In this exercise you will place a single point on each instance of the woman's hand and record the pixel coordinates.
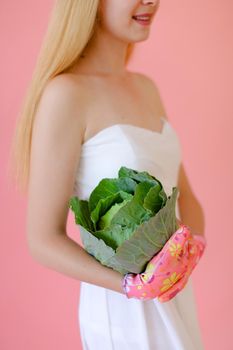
(164, 270)
(197, 246)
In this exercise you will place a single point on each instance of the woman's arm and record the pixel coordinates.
(56, 145)
(59, 252)
(191, 212)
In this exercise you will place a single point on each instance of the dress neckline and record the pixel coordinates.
(133, 127)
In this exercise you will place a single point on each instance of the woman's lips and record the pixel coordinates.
(143, 19)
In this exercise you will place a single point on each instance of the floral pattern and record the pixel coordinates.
(168, 271)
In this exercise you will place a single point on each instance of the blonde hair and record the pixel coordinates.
(72, 24)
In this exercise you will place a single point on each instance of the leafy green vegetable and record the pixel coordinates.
(126, 220)
(105, 220)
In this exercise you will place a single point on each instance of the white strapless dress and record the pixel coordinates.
(108, 320)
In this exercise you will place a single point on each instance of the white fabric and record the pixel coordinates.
(108, 320)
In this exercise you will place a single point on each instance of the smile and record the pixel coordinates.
(142, 20)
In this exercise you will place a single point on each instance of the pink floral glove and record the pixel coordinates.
(164, 270)
(197, 246)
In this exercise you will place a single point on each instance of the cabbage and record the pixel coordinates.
(127, 220)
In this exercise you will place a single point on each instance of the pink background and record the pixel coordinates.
(189, 54)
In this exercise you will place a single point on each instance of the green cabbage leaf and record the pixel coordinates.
(127, 220)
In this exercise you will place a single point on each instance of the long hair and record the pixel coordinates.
(71, 26)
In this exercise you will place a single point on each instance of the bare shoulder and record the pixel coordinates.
(64, 95)
(145, 79)
(55, 153)
(63, 102)
(151, 87)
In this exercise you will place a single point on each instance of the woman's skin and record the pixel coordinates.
(103, 72)
(105, 54)
(73, 108)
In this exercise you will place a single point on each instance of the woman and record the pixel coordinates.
(85, 115)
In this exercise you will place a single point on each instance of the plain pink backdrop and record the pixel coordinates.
(189, 54)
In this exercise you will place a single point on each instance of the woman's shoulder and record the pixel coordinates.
(144, 79)
(150, 87)
(66, 90)
(67, 84)
(62, 105)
